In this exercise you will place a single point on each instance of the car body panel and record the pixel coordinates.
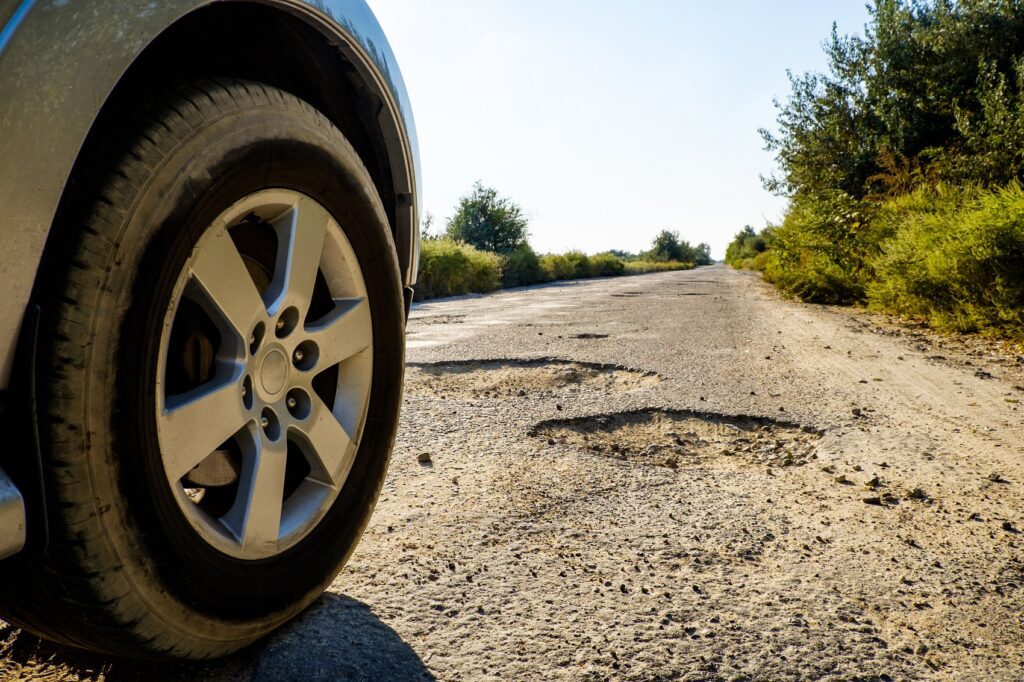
(59, 62)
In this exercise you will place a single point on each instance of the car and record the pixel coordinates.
(210, 243)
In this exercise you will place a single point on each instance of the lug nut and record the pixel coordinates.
(299, 355)
(280, 324)
(264, 422)
(292, 402)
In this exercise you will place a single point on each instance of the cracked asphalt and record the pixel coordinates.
(670, 476)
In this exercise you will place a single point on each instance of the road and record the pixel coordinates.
(671, 476)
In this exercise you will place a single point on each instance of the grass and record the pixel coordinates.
(451, 268)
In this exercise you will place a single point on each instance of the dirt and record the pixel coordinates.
(774, 491)
(521, 378)
(679, 439)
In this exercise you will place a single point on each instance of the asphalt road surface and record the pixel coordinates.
(671, 476)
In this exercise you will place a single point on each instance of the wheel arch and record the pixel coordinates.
(300, 49)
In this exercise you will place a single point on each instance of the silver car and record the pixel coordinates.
(209, 243)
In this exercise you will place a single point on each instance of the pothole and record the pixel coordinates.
(589, 336)
(440, 319)
(679, 438)
(522, 378)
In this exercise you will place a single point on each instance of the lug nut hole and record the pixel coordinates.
(247, 396)
(256, 338)
(287, 322)
(299, 404)
(305, 356)
(270, 424)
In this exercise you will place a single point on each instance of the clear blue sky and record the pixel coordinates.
(607, 121)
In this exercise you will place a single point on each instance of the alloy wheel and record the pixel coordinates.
(264, 374)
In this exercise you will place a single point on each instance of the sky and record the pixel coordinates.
(606, 121)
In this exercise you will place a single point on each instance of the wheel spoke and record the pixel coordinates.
(301, 234)
(329, 445)
(221, 274)
(197, 424)
(255, 518)
(347, 330)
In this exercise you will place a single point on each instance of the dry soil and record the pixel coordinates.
(672, 476)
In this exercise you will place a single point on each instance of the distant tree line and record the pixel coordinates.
(485, 246)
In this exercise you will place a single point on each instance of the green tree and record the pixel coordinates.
(702, 254)
(427, 226)
(488, 221)
(746, 244)
(930, 91)
(668, 247)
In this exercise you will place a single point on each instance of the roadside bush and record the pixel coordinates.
(522, 267)
(955, 258)
(450, 268)
(746, 245)
(580, 263)
(760, 262)
(640, 267)
(557, 266)
(606, 265)
(821, 250)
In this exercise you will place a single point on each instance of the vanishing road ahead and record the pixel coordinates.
(673, 476)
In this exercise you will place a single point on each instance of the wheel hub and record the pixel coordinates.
(274, 372)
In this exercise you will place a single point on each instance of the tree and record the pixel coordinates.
(932, 90)
(746, 244)
(665, 247)
(488, 221)
(702, 254)
(425, 229)
(668, 246)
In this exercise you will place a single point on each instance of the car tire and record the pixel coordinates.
(130, 568)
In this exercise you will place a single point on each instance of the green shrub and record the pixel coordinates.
(746, 245)
(556, 267)
(580, 264)
(760, 262)
(821, 250)
(522, 267)
(639, 267)
(956, 259)
(450, 268)
(606, 265)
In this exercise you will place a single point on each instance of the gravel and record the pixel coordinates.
(612, 491)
